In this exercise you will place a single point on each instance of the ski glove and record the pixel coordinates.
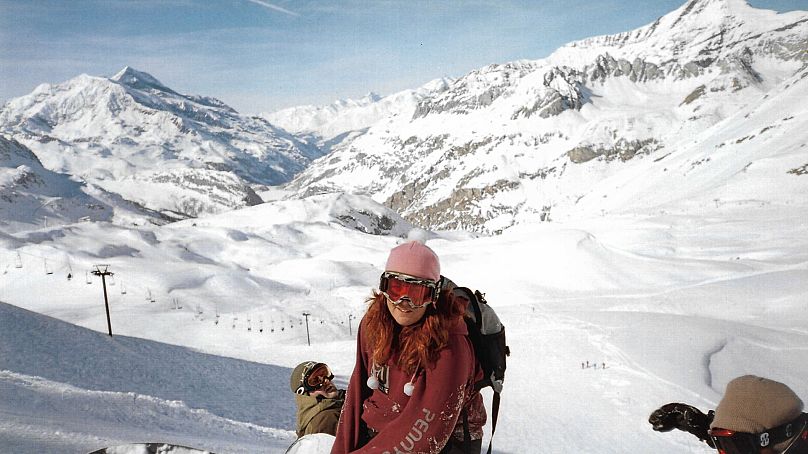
(683, 417)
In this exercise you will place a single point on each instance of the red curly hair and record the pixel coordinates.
(419, 343)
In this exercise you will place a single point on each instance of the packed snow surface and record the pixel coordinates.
(607, 318)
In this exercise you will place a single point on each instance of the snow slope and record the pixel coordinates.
(69, 389)
(674, 305)
(32, 195)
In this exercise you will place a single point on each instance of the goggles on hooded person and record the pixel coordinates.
(731, 442)
(401, 288)
(314, 378)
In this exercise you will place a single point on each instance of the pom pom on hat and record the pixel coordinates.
(419, 235)
(415, 259)
(753, 404)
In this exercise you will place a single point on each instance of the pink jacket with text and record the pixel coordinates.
(421, 423)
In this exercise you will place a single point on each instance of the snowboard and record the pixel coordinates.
(150, 448)
(312, 444)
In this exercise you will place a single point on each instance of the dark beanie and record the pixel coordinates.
(753, 404)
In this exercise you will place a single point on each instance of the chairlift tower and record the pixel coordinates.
(102, 270)
(308, 339)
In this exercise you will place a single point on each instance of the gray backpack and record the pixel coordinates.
(487, 335)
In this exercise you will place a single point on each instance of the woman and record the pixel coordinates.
(413, 383)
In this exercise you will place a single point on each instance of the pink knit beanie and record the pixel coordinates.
(414, 258)
(753, 404)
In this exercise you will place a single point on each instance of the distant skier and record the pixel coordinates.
(755, 416)
(415, 366)
(319, 402)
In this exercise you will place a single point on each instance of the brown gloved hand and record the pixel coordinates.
(683, 417)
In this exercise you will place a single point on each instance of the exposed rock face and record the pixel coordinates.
(638, 70)
(622, 150)
(801, 170)
(461, 210)
(477, 90)
(562, 90)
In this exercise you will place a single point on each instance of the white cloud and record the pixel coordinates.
(273, 7)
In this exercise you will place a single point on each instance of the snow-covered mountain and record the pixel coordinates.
(345, 120)
(32, 195)
(707, 99)
(183, 155)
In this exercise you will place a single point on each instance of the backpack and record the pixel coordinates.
(487, 336)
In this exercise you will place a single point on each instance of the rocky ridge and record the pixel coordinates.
(535, 140)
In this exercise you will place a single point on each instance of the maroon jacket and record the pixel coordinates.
(423, 422)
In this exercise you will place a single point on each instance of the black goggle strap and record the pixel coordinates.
(788, 430)
(781, 433)
(776, 435)
(800, 443)
(435, 286)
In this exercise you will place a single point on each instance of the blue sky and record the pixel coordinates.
(263, 55)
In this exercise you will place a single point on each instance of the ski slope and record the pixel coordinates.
(674, 306)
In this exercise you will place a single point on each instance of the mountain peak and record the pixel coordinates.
(138, 79)
(371, 97)
(696, 29)
(711, 10)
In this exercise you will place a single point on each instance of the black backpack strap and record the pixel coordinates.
(475, 305)
(495, 413)
(494, 417)
(466, 433)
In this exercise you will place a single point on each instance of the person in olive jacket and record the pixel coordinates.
(319, 402)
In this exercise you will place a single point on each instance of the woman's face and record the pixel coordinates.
(403, 314)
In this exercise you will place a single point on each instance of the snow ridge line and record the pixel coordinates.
(708, 360)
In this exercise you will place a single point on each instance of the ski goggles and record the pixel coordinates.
(401, 288)
(315, 378)
(731, 442)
